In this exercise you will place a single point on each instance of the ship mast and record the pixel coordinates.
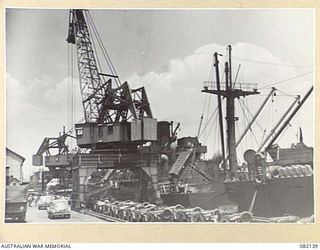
(230, 91)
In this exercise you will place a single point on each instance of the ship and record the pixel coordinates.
(282, 185)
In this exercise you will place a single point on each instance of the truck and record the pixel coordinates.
(16, 203)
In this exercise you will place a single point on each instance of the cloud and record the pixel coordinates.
(36, 108)
(176, 94)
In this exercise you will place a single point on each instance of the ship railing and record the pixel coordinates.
(165, 188)
(238, 86)
(111, 160)
(187, 188)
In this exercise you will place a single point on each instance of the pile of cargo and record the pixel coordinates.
(146, 212)
(131, 211)
(295, 171)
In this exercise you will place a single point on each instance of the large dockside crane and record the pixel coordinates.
(118, 120)
(119, 131)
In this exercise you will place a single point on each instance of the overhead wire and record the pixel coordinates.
(246, 117)
(207, 123)
(209, 131)
(104, 51)
(259, 125)
(207, 99)
(272, 63)
(286, 80)
(94, 45)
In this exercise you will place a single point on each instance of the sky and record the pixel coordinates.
(170, 52)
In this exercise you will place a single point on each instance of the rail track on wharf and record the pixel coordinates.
(103, 216)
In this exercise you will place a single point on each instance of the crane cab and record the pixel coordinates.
(139, 130)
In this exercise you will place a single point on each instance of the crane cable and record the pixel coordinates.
(95, 49)
(104, 51)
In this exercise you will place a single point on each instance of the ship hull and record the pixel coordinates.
(277, 197)
(206, 200)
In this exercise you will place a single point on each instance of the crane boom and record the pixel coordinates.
(90, 81)
(101, 102)
(286, 123)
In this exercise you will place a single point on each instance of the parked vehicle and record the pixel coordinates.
(59, 208)
(44, 201)
(16, 203)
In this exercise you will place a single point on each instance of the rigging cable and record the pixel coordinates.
(216, 138)
(104, 51)
(272, 63)
(247, 119)
(235, 80)
(94, 48)
(251, 115)
(209, 131)
(286, 80)
(205, 126)
(286, 94)
(72, 90)
(208, 98)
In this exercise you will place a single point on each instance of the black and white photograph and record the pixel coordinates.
(163, 116)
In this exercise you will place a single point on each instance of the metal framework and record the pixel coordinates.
(141, 102)
(58, 143)
(101, 102)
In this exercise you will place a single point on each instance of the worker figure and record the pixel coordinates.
(83, 207)
(181, 186)
(260, 168)
(36, 200)
(30, 199)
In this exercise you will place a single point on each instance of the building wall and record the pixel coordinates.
(14, 182)
(13, 166)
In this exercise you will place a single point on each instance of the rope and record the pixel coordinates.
(104, 51)
(208, 121)
(242, 105)
(286, 80)
(252, 115)
(211, 198)
(94, 47)
(72, 90)
(68, 87)
(272, 63)
(285, 94)
(207, 137)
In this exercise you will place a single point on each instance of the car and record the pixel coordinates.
(44, 201)
(59, 208)
(16, 203)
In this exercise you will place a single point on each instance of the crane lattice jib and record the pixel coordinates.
(101, 102)
(90, 81)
